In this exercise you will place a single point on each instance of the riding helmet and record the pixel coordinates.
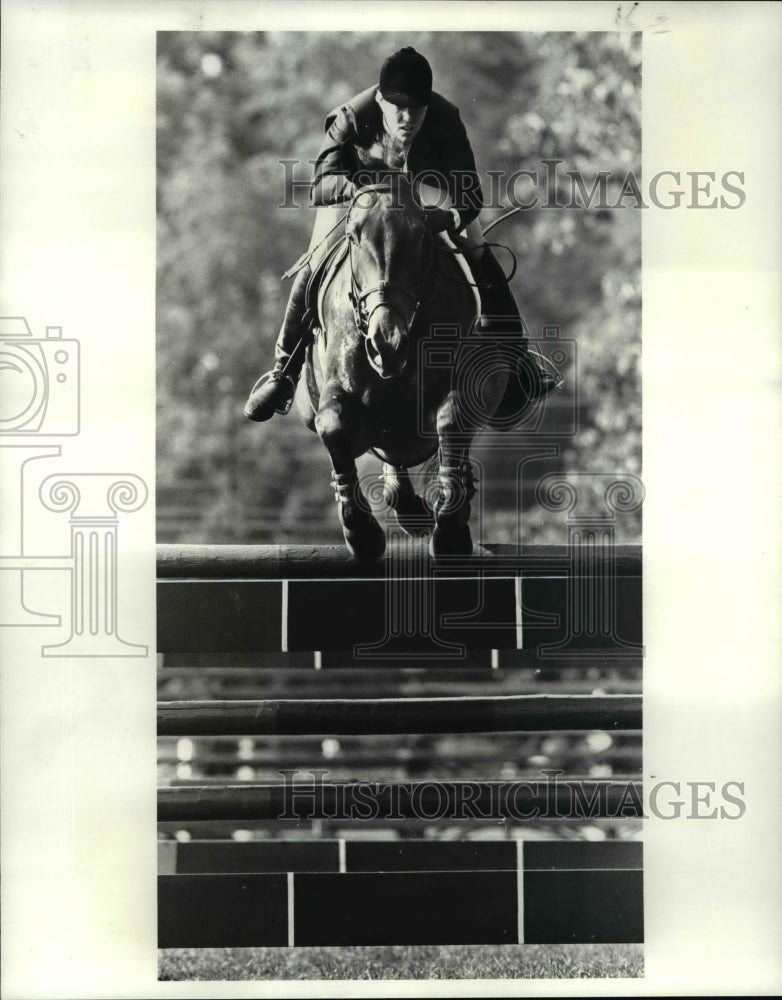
(406, 79)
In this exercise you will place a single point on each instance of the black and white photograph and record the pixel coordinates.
(402, 731)
(389, 473)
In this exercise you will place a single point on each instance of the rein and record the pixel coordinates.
(358, 298)
(307, 257)
(453, 252)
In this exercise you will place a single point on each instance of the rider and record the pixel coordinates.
(409, 127)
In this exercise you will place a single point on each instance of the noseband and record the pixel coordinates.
(358, 298)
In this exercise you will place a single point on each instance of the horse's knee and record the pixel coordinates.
(396, 487)
(330, 423)
(446, 420)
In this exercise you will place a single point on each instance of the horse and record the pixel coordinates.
(398, 367)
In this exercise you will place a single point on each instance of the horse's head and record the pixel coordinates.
(390, 251)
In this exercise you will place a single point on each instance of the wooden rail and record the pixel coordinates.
(293, 562)
(583, 798)
(365, 716)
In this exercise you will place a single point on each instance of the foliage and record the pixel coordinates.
(231, 106)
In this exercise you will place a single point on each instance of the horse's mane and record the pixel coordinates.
(376, 172)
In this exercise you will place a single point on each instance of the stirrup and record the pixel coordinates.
(277, 376)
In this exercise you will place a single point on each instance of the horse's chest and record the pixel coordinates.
(390, 403)
(402, 415)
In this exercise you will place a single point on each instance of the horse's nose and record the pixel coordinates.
(387, 349)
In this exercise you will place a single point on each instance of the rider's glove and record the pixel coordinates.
(440, 219)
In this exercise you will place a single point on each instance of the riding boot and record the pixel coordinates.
(274, 391)
(500, 316)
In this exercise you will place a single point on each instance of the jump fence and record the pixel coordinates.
(304, 601)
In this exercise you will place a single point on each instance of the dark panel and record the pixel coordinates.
(430, 855)
(627, 665)
(225, 615)
(557, 615)
(385, 618)
(390, 616)
(238, 663)
(561, 854)
(582, 907)
(222, 911)
(258, 856)
(409, 908)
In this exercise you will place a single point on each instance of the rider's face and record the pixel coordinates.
(403, 123)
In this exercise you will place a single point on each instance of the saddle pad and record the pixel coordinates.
(324, 275)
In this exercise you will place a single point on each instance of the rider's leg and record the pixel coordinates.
(500, 315)
(274, 391)
(499, 312)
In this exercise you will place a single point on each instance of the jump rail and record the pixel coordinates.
(363, 717)
(584, 798)
(333, 562)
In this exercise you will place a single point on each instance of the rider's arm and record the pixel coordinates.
(463, 180)
(331, 183)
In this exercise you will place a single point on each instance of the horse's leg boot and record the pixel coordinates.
(274, 391)
(500, 316)
(413, 513)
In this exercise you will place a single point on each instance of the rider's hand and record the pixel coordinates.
(440, 219)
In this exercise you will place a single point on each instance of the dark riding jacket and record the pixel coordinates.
(440, 150)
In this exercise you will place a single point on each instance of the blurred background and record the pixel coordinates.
(231, 107)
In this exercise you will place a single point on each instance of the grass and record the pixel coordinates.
(584, 961)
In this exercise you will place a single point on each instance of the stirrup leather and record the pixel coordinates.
(277, 376)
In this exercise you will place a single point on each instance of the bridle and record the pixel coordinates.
(358, 296)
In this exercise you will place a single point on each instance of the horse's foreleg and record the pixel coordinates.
(340, 429)
(414, 514)
(455, 485)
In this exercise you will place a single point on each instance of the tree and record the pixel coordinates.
(231, 107)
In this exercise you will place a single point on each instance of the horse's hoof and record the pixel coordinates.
(415, 528)
(366, 546)
(453, 541)
(417, 522)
